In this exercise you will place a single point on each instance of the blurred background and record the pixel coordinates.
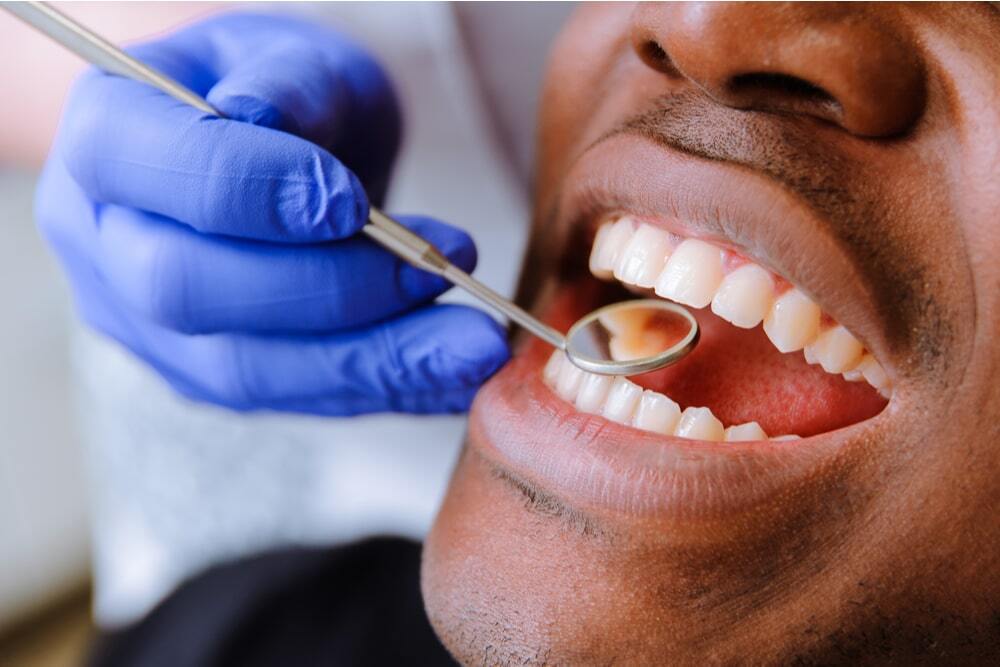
(44, 530)
(112, 489)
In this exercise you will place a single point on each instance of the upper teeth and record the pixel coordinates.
(697, 273)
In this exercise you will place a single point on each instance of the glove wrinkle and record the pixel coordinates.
(392, 373)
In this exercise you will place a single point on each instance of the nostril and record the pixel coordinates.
(654, 52)
(782, 84)
(776, 91)
(656, 57)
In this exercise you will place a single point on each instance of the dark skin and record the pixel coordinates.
(883, 120)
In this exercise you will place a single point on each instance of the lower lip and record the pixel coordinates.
(594, 465)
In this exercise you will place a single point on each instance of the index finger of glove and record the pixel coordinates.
(129, 144)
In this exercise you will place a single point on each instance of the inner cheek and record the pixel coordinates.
(741, 376)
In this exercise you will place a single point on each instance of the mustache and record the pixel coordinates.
(782, 147)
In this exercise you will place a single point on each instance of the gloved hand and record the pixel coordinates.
(224, 252)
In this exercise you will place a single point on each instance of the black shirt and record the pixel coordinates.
(353, 605)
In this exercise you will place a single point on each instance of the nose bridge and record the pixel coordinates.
(849, 64)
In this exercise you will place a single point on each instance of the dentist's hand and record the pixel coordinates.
(225, 253)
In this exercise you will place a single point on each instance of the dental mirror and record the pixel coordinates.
(625, 338)
(632, 337)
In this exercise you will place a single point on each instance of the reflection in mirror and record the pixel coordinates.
(639, 332)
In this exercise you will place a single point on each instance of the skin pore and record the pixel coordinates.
(875, 545)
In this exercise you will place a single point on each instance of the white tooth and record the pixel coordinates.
(836, 350)
(874, 374)
(608, 246)
(656, 413)
(809, 352)
(643, 257)
(699, 424)
(745, 432)
(745, 296)
(569, 381)
(597, 252)
(692, 274)
(793, 321)
(551, 372)
(621, 401)
(593, 391)
(787, 437)
(853, 375)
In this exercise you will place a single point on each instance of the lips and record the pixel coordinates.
(594, 465)
(694, 216)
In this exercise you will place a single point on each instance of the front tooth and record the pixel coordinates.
(551, 372)
(608, 246)
(793, 321)
(692, 274)
(745, 296)
(656, 413)
(784, 438)
(568, 383)
(699, 424)
(593, 391)
(642, 259)
(621, 401)
(745, 432)
(836, 350)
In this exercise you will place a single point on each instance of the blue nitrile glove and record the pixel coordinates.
(224, 252)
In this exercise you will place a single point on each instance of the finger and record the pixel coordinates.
(126, 143)
(280, 72)
(296, 89)
(195, 283)
(429, 361)
(292, 75)
(316, 89)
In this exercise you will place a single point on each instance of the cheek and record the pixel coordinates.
(578, 67)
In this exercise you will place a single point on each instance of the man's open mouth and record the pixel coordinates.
(770, 362)
(789, 371)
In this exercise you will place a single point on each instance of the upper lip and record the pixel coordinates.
(731, 206)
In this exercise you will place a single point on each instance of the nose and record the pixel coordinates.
(839, 62)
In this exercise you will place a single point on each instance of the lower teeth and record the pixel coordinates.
(621, 400)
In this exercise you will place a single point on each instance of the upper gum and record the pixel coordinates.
(732, 259)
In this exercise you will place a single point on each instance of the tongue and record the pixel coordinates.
(741, 377)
